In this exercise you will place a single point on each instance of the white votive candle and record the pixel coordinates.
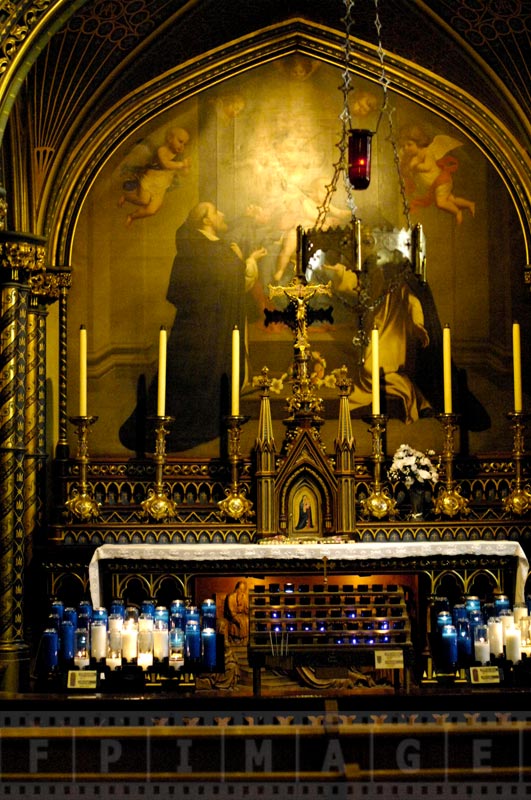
(507, 620)
(116, 623)
(513, 645)
(495, 636)
(130, 642)
(145, 660)
(98, 640)
(161, 643)
(482, 651)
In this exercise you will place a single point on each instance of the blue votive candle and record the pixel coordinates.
(148, 608)
(58, 608)
(192, 614)
(464, 642)
(459, 611)
(208, 646)
(70, 615)
(67, 640)
(117, 607)
(49, 649)
(448, 648)
(192, 640)
(208, 614)
(472, 603)
(162, 614)
(177, 612)
(85, 607)
(443, 618)
(501, 602)
(100, 615)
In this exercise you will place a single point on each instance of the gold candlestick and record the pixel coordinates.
(157, 504)
(379, 503)
(519, 500)
(236, 504)
(449, 501)
(81, 503)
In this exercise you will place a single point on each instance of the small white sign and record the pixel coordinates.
(484, 674)
(389, 659)
(82, 679)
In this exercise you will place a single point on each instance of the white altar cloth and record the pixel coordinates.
(354, 551)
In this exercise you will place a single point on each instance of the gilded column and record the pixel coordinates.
(64, 278)
(265, 454)
(345, 468)
(20, 254)
(34, 423)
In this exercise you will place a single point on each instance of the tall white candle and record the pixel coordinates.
(517, 368)
(82, 371)
(375, 371)
(357, 232)
(447, 369)
(161, 395)
(235, 397)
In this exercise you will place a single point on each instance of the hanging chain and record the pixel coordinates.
(341, 165)
(388, 110)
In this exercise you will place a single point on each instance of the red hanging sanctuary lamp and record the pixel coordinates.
(359, 157)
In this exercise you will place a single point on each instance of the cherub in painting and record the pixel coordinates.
(148, 183)
(428, 167)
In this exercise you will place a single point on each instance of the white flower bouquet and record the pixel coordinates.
(412, 466)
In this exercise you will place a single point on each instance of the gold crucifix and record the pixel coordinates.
(299, 294)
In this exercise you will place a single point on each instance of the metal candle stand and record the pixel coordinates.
(519, 500)
(81, 503)
(157, 504)
(236, 504)
(449, 500)
(379, 503)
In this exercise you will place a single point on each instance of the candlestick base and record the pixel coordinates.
(518, 502)
(379, 504)
(236, 505)
(81, 504)
(451, 502)
(157, 504)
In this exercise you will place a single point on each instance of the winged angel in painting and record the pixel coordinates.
(428, 166)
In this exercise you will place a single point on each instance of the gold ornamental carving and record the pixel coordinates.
(49, 284)
(18, 30)
(17, 255)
